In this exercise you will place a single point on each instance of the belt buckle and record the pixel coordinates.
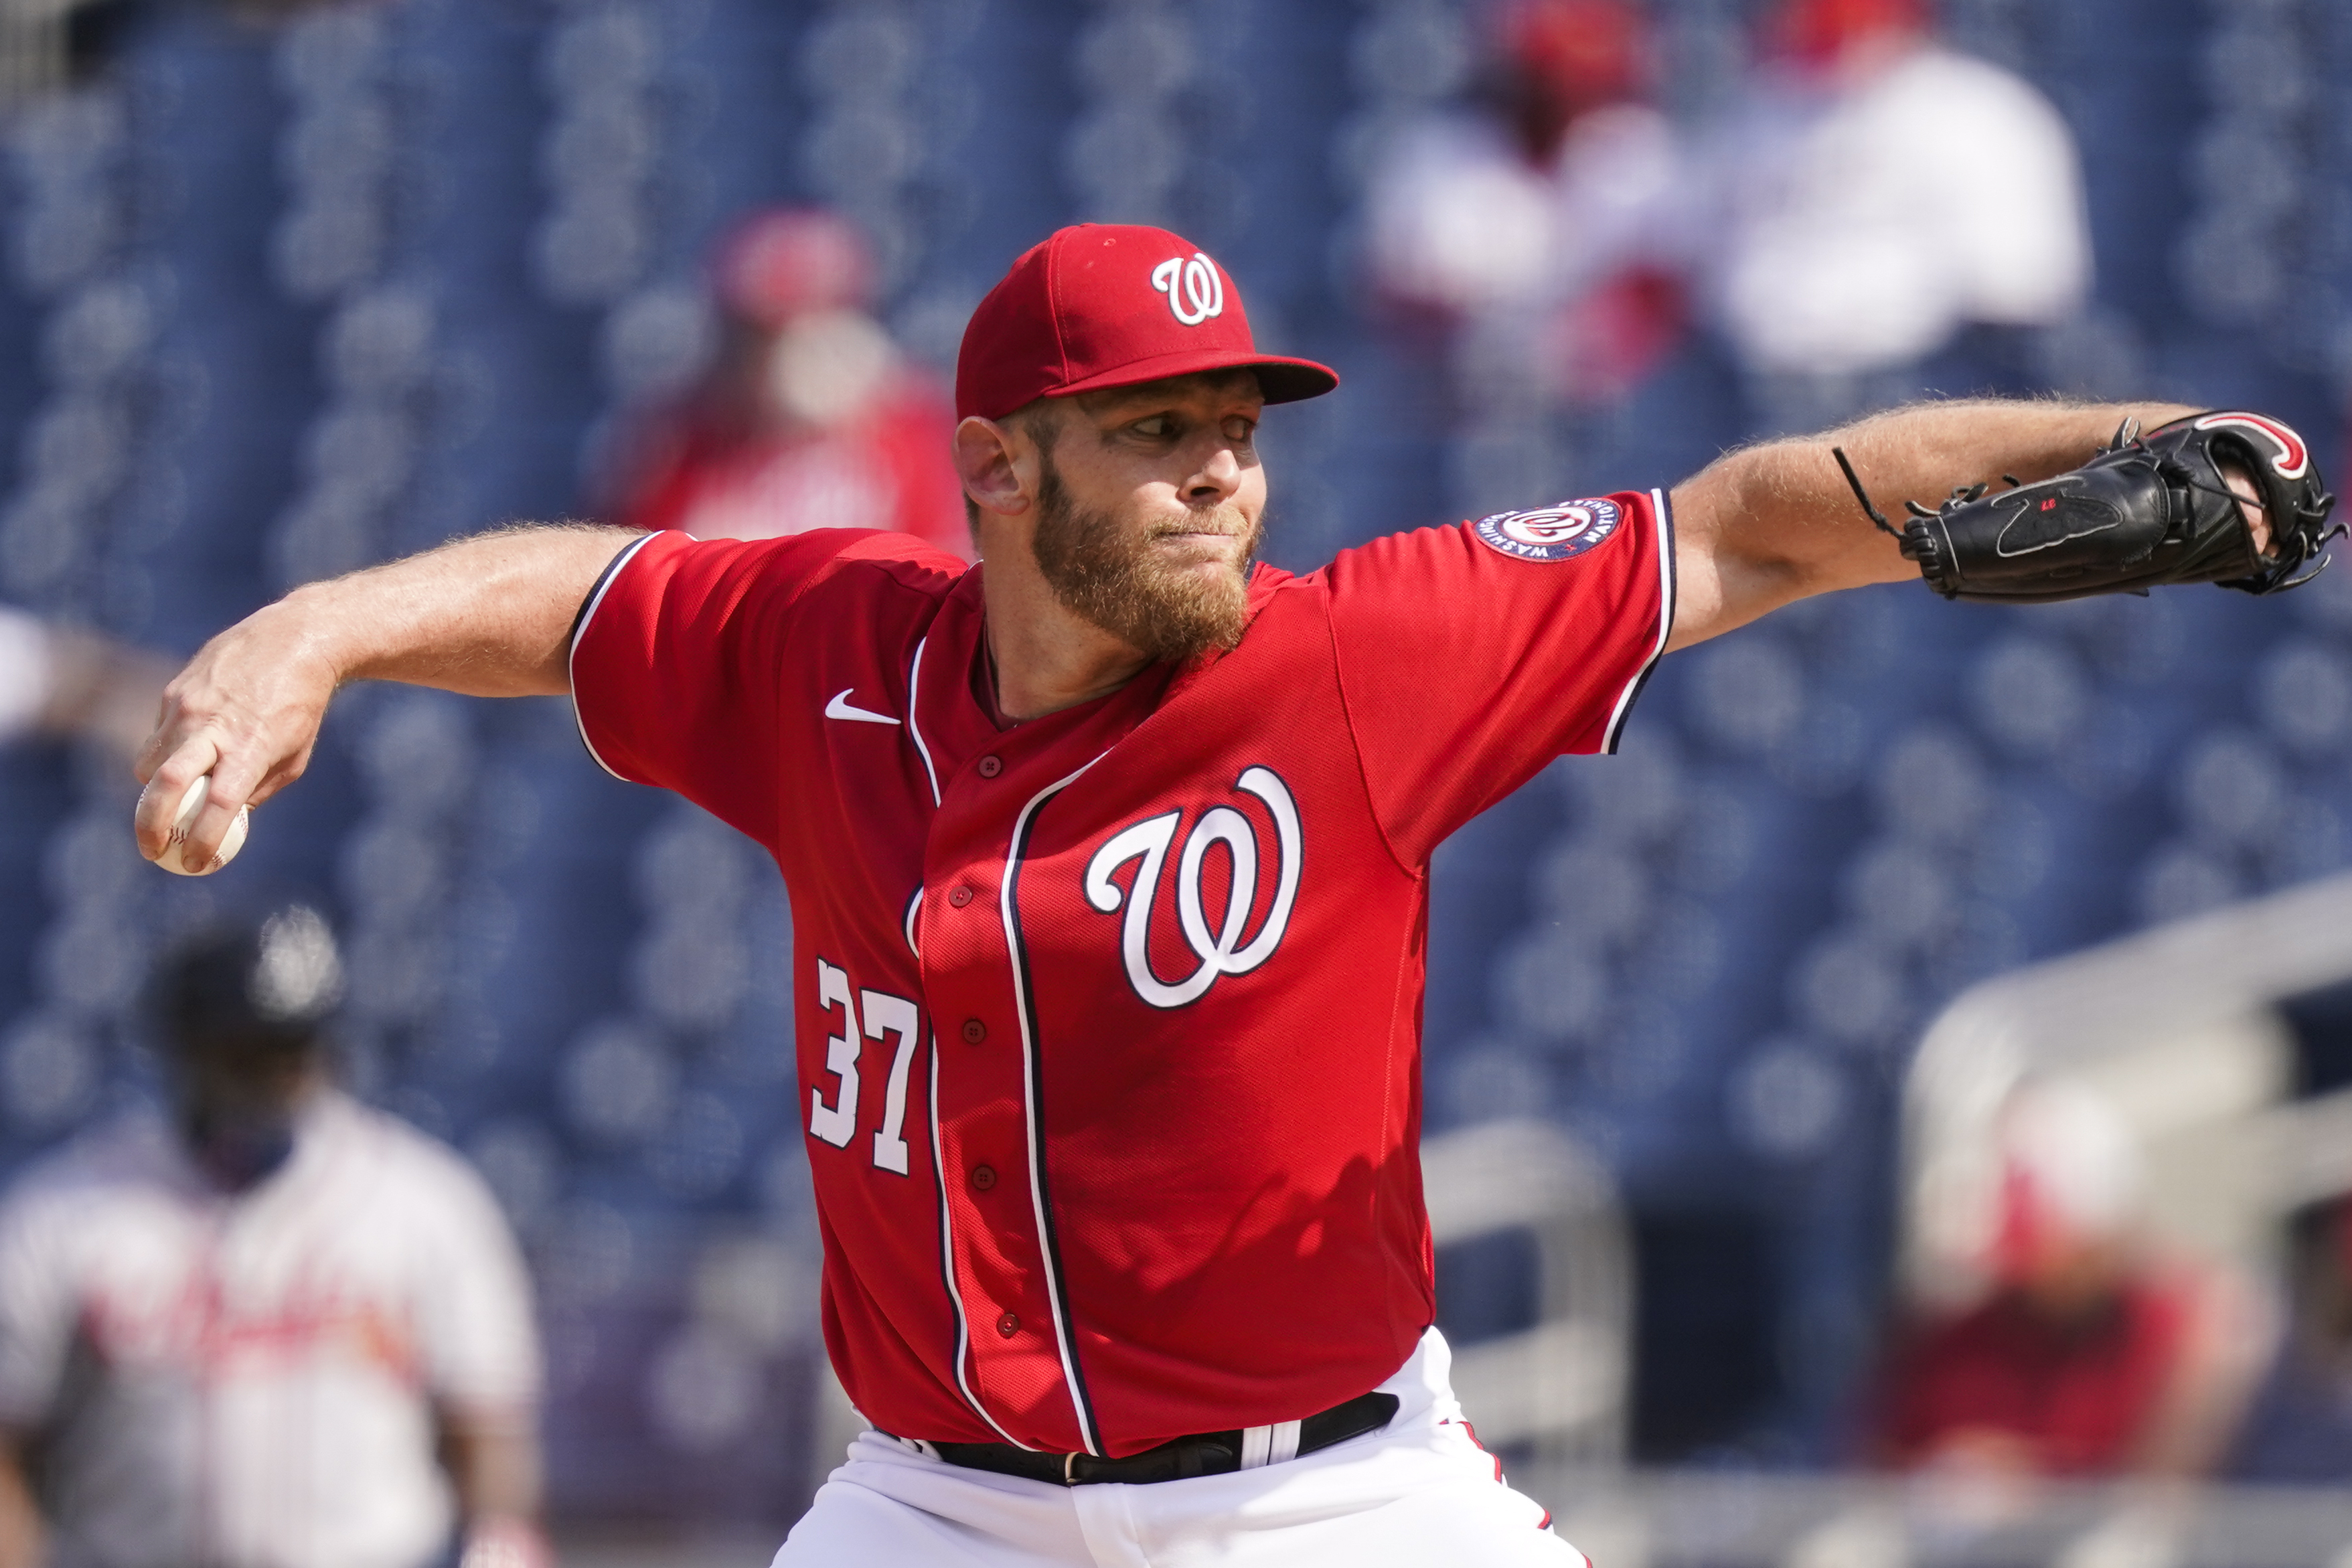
(1069, 1469)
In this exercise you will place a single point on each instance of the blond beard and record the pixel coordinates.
(1116, 582)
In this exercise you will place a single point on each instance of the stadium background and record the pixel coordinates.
(279, 300)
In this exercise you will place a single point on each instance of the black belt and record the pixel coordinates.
(1180, 1458)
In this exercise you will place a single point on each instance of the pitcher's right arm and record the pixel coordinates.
(489, 616)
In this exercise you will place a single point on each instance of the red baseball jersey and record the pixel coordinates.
(2079, 1396)
(1109, 1022)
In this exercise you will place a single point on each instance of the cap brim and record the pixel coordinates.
(1283, 380)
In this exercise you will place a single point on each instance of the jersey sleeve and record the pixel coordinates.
(479, 1341)
(1470, 656)
(681, 652)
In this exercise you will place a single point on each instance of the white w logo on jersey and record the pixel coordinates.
(1224, 950)
(1195, 289)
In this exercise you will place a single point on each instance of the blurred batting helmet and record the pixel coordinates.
(268, 983)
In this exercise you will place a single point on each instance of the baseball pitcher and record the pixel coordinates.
(1109, 863)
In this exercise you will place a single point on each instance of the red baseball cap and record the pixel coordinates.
(1099, 305)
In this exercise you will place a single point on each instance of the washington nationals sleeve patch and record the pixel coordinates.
(1551, 533)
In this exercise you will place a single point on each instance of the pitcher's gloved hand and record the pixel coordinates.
(2147, 510)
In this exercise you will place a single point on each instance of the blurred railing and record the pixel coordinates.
(2177, 1028)
(1560, 1384)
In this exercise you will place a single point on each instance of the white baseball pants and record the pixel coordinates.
(1417, 1493)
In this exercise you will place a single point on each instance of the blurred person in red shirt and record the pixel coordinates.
(1557, 212)
(2089, 1354)
(1877, 192)
(809, 418)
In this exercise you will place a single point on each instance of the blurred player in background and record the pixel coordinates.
(61, 680)
(1557, 215)
(2089, 1355)
(810, 416)
(273, 1328)
(1878, 192)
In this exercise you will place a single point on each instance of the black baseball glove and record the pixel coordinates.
(2146, 510)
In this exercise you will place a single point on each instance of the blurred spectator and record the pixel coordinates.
(1560, 201)
(242, 1334)
(810, 417)
(2089, 1356)
(1878, 192)
(58, 681)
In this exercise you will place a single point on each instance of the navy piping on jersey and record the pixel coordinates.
(579, 624)
(914, 913)
(1666, 621)
(946, 1263)
(1056, 1290)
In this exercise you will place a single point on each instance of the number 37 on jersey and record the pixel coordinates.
(862, 1015)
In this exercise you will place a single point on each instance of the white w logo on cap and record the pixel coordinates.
(1195, 291)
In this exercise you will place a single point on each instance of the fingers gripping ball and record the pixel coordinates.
(191, 804)
(2146, 510)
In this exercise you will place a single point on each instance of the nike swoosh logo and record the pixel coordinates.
(839, 708)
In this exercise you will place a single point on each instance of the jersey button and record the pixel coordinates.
(1009, 1324)
(960, 897)
(983, 1176)
(974, 1031)
(990, 767)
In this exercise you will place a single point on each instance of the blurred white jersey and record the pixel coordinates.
(1861, 228)
(251, 1380)
(1459, 220)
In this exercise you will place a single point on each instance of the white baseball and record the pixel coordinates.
(191, 804)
